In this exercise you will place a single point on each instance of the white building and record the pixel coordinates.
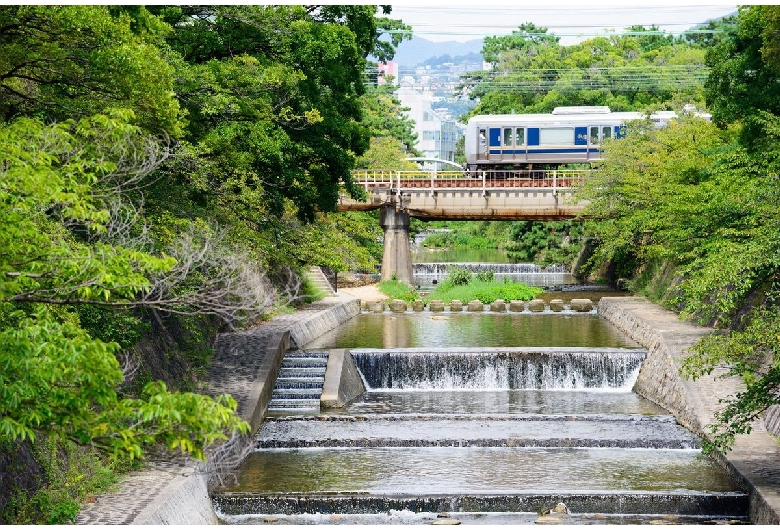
(436, 134)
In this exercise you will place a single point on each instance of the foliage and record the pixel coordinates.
(485, 292)
(533, 73)
(384, 116)
(347, 241)
(74, 61)
(526, 39)
(49, 176)
(112, 324)
(396, 290)
(702, 200)
(745, 69)
(468, 234)
(274, 115)
(751, 354)
(544, 242)
(55, 377)
(69, 475)
(457, 276)
(484, 276)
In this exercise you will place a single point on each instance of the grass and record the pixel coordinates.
(396, 290)
(475, 289)
(484, 291)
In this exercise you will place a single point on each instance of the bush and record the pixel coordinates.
(458, 276)
(485, 276)
(486, 292)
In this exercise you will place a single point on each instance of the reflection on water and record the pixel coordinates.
(496, 402)
(449, 470)
(426, 329)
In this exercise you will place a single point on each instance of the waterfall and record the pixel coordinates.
(440, 269)
(500, 368)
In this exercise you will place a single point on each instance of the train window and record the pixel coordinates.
(606, 132)
(556, 136)
(594, 135)
(520, 137)
(508, 136)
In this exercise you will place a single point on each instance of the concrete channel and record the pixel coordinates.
(246, 364)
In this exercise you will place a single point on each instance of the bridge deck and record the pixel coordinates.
(499, 195)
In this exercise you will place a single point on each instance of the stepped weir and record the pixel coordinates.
(483, 435)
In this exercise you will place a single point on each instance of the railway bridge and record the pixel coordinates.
(496, 195)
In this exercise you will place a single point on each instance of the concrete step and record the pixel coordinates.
(299, 384)
(318, 278)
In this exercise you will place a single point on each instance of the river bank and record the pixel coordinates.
(178, 493)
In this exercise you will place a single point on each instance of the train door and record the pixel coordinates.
(596, 135)
(482, 146)
(521, 151)
(508, 145)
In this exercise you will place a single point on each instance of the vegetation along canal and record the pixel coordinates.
(481, 418)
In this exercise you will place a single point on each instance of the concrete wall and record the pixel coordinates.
(753, 461)
(342, 380)
(307, 329)
(189, 504)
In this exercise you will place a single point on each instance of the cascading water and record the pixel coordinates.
(440, 269)
(499, 368)
(427, 275)
(484, 435)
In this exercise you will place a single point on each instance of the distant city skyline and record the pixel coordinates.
(573, 23)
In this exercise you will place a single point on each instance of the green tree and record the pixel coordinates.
(73, 61)
(54, 377)
(623, 72)
(744, 72)
(279, 115)
(690, 197)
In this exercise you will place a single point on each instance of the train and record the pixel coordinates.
(568, 135)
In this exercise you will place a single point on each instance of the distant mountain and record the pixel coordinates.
(418, 50)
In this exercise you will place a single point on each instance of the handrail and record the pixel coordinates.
(484, 179)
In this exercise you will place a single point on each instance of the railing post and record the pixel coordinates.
(555, 181)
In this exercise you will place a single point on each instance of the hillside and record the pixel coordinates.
(411, 53)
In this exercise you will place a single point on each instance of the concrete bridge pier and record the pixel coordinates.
(397, 256)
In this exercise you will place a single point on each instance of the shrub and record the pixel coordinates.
(458, 276)
(485, 276)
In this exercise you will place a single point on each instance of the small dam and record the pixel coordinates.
(483, 435)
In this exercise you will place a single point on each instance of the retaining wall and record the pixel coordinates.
(753, 461)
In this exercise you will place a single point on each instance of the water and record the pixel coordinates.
(484, 418)
(428, 275)
(448, 329)
(429, 266)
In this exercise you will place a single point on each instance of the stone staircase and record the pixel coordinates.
(318, 278)
(299, 385)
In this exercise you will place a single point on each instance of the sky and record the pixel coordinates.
(450, 21)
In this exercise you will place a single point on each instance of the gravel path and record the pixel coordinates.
(366, 293)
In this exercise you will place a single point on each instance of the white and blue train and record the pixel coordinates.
(545, 141)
